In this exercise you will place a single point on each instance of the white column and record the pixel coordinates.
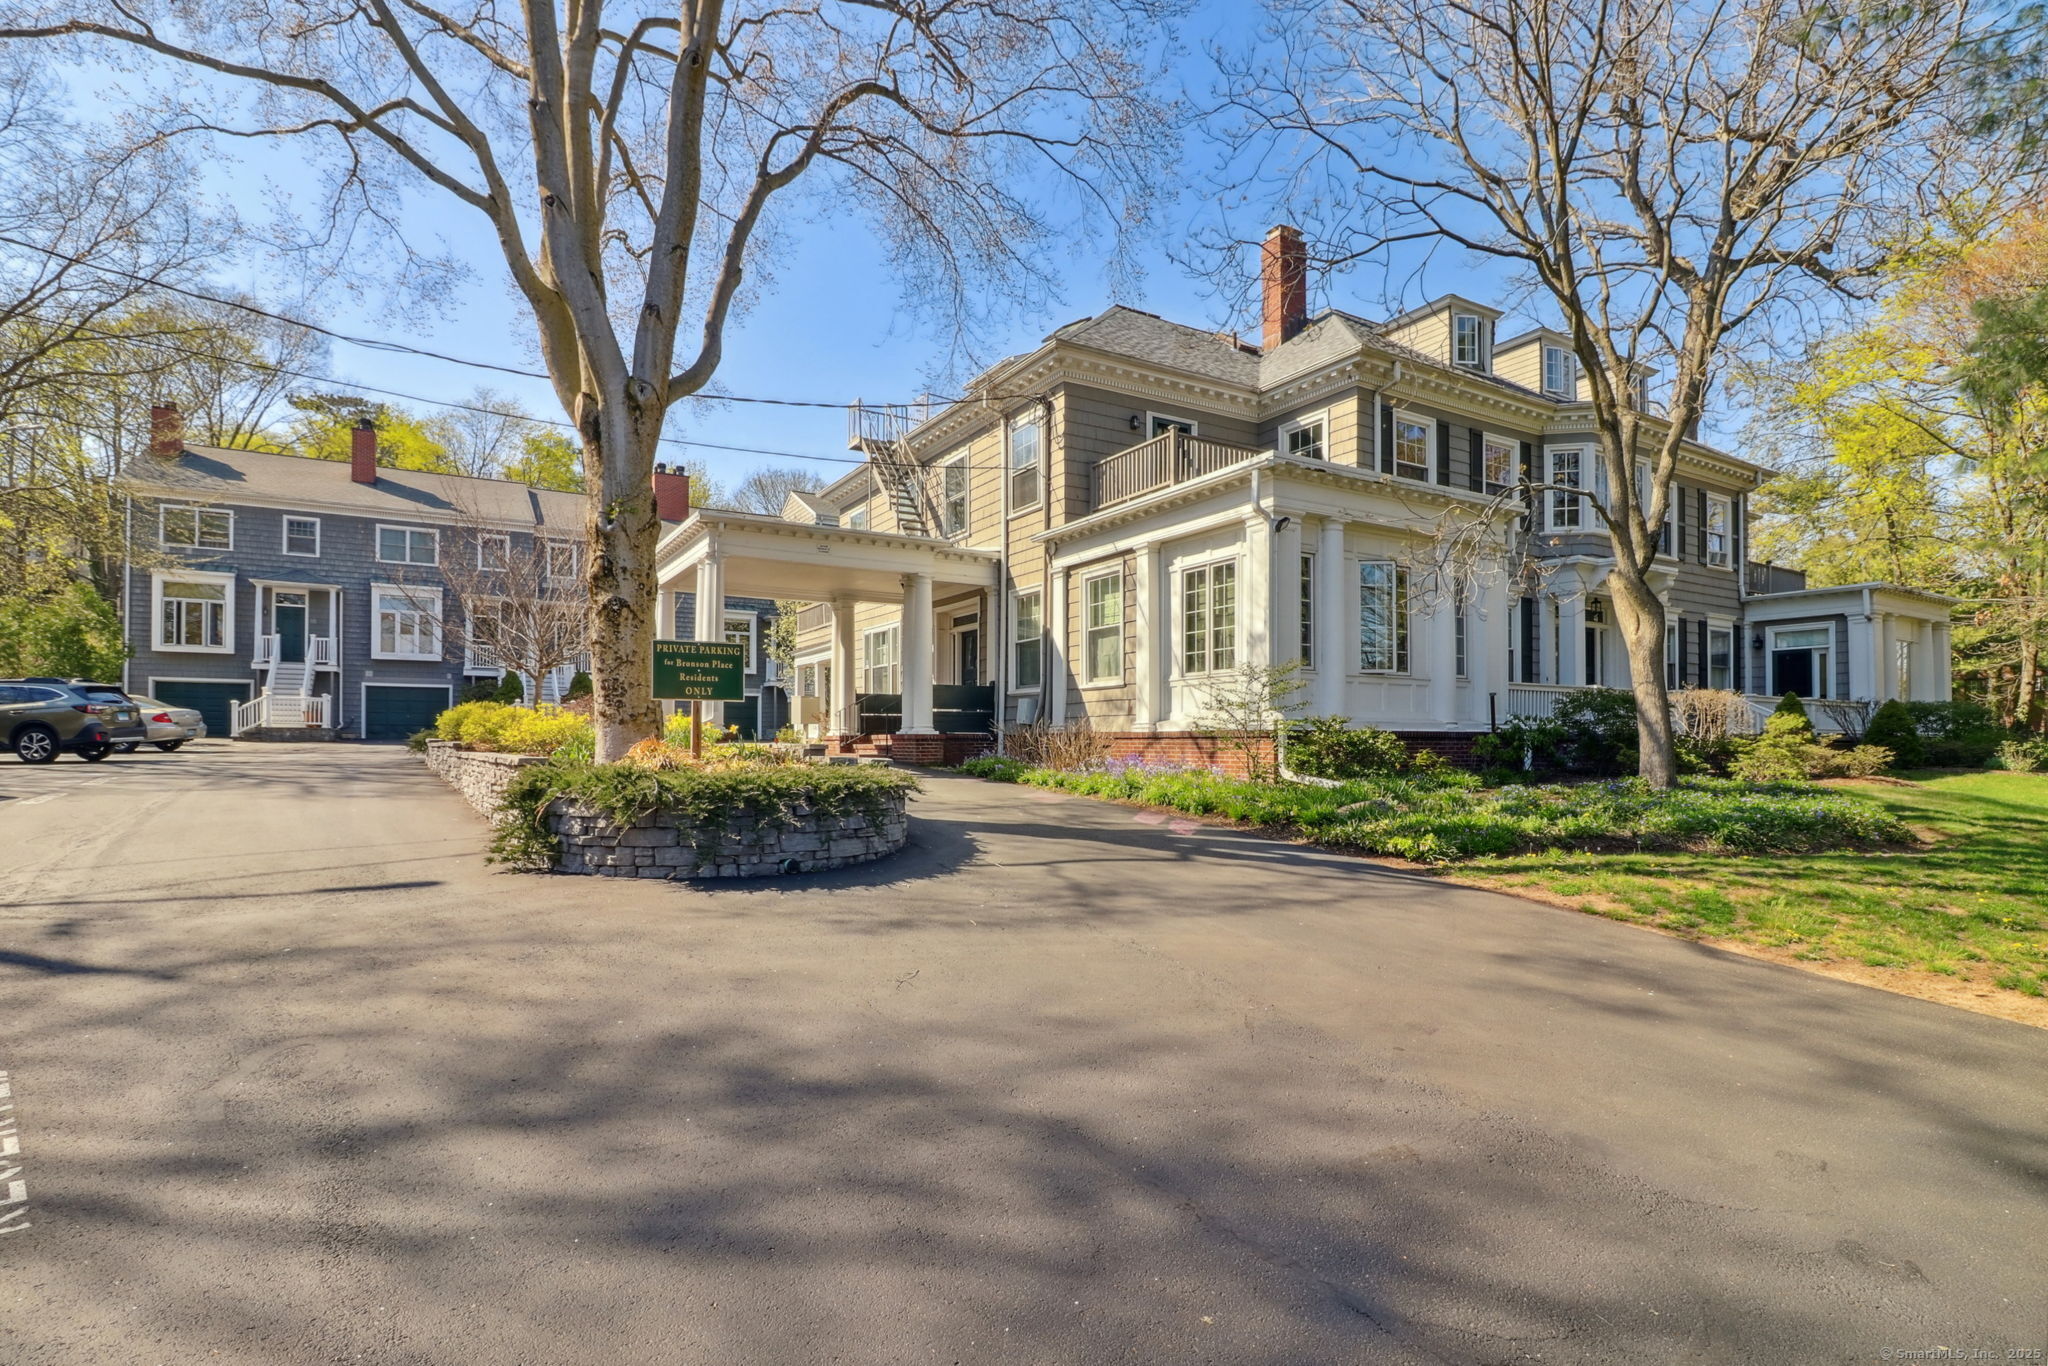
(1863, 669)
(1336, 619)
(1443, 657)
(1571, 631)
(1545, 636)
(1941, 667)
(844, 665)
(1287, 599)
(710, 617)
(1053, 703)
(916, 638)
(1255, 605)
(1155, 620)
(1887, 676)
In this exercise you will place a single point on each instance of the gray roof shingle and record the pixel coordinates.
(1144, 336)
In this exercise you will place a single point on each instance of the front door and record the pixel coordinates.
(969, 673)
(288, 621)
(1792, 671)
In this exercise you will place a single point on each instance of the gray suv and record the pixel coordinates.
(42, 717)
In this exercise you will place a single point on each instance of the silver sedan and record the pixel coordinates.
(168, 727)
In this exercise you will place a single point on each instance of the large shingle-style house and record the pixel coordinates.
(1104, 527)
(290, 595)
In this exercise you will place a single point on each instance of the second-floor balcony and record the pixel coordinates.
(314, 651)
(1170, 458)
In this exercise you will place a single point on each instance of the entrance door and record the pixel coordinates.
(969, 671)
(288, 620)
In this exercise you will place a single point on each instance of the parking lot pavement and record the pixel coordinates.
(298, 1077)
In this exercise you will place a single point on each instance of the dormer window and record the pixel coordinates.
(1558, 379)
(1468, 339)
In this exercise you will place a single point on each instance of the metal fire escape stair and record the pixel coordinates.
(878, 432)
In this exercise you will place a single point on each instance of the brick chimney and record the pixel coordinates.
(671, 493)
(362, 452)
(1283, 284)
(166, 432)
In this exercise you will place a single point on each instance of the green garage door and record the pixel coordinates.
(391, 713)
(214, 701)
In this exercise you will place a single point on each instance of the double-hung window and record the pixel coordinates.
(408, 545)
(1498, 454)
(192, 614)
(1720, 657)
(1673, 663)
(1102, 628)
(1718, 509)
(740, 630)
(493, 552)
(1027, 452)
(1468, 339)
(182, 527)
(1027, 642)
(406, 623)
(1382, 617)
(1566, 510)
(1308, 609)
(1208, 618)
(1412, 436)
(1461, 664)
(483, 646)
(881, 670)
(563, 561)
(1559, 381)
(1159, 424)
(856, 518)
(1304, 438)
(953, 499)
(301, 535)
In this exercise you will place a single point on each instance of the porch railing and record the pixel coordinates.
(957, 709)
(816, 617)
(310, 712)
(1170, 458)
(320, 652)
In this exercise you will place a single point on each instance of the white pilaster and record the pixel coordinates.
(1256, 603)
(710, 619)
(1443, 656)
(1863, 668)
(1336, 621)
(1155, 620)
(1287, 597)
(845, 664)
(1571, 629)
(1886, 680)
(1054, 709)
(1940, 665)
(916, 637)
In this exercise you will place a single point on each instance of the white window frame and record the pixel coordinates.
(504, 541)
(377, 544)
(1308, 609)
(547, 563)
(1428, 465)
(1398, 588)
(1158, 424)
(1823, 677)
(1487, 442)
(955, 466)
(285, 535)
(1556, 501)
(1036, 467)
(1722, 558)
(476, 657)
(1671, 659)
(1209, 658)
(1461, 645)
(1477, 361)
(1090, 629)
(199, 512)
(156, 611)
(1565, 386)
(752, 621)
(1019, 641)
(430, 616)
(1717, 626)
(856, 517)
(894, 667)
(1320, 422)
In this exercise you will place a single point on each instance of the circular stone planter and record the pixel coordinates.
(659, 846)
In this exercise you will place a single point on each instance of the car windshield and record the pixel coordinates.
(102, 693)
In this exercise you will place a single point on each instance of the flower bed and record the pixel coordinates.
(1447, 817)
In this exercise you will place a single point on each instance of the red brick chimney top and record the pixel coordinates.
(166, 432)
(671, 493)
(362, 452)
(1283, 284)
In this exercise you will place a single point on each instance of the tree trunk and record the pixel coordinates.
(623, 535)
(1641, 619)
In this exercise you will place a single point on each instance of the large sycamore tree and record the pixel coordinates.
(1664, 179)
(630, 160)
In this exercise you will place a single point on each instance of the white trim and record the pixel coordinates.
(753, 619)
(1552, 494)
(1727, 560)
(195, 509)
(549, 544)
(1017, 596)
(1514, 446)
(1428, 425)
(1306, 420)
(1569, 390)
(895, 665)
(433, 621)
(1824, 680)
(1178, 615)
(1479, 347)
(156, 611)
(1151, 417)
(377, 543)
(1033, 416)
(363, 701)
(483, 536)
(1734, 631)
(1088, 680)
(285, 535)
(956, 461)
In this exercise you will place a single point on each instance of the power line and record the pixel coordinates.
(403, 348)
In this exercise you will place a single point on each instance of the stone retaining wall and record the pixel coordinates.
(657, 846)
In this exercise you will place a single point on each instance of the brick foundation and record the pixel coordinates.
(1206, 751)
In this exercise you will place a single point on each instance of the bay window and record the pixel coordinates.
(1565, 510)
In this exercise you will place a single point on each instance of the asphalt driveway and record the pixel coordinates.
(299, 1078)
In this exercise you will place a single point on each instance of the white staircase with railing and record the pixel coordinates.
(287, 701)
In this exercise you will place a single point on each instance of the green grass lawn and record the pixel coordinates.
(1973, 904)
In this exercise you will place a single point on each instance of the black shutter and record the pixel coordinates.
(1475, 456)
(1678, 534)
(1443, 452)
(1701, 507)
(1530, 606)
(1386, 438)
(1704, 677)
(1529, 462)
(1738, 656)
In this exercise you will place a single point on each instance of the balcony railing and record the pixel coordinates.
(1167, 459)
(816, 617)
(319, 652)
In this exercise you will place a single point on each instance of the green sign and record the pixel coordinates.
(700, 670)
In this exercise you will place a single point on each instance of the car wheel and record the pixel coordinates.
(36, 745)
(168, 745)
(92, 754)
(128, 746)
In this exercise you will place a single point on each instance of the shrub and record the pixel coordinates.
(996, 768)
(515, 730)
(1599, 730)
(1521, 742)
(1956, 734)
(417, 741)
(72, 632)
(1791, 704)
(1327, 747)
(510, 689)
(1787, 752)
(1068, 748)
(579, 686)
(542, 730)
(2024, 755)
(482, 690)
(1891, 726)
